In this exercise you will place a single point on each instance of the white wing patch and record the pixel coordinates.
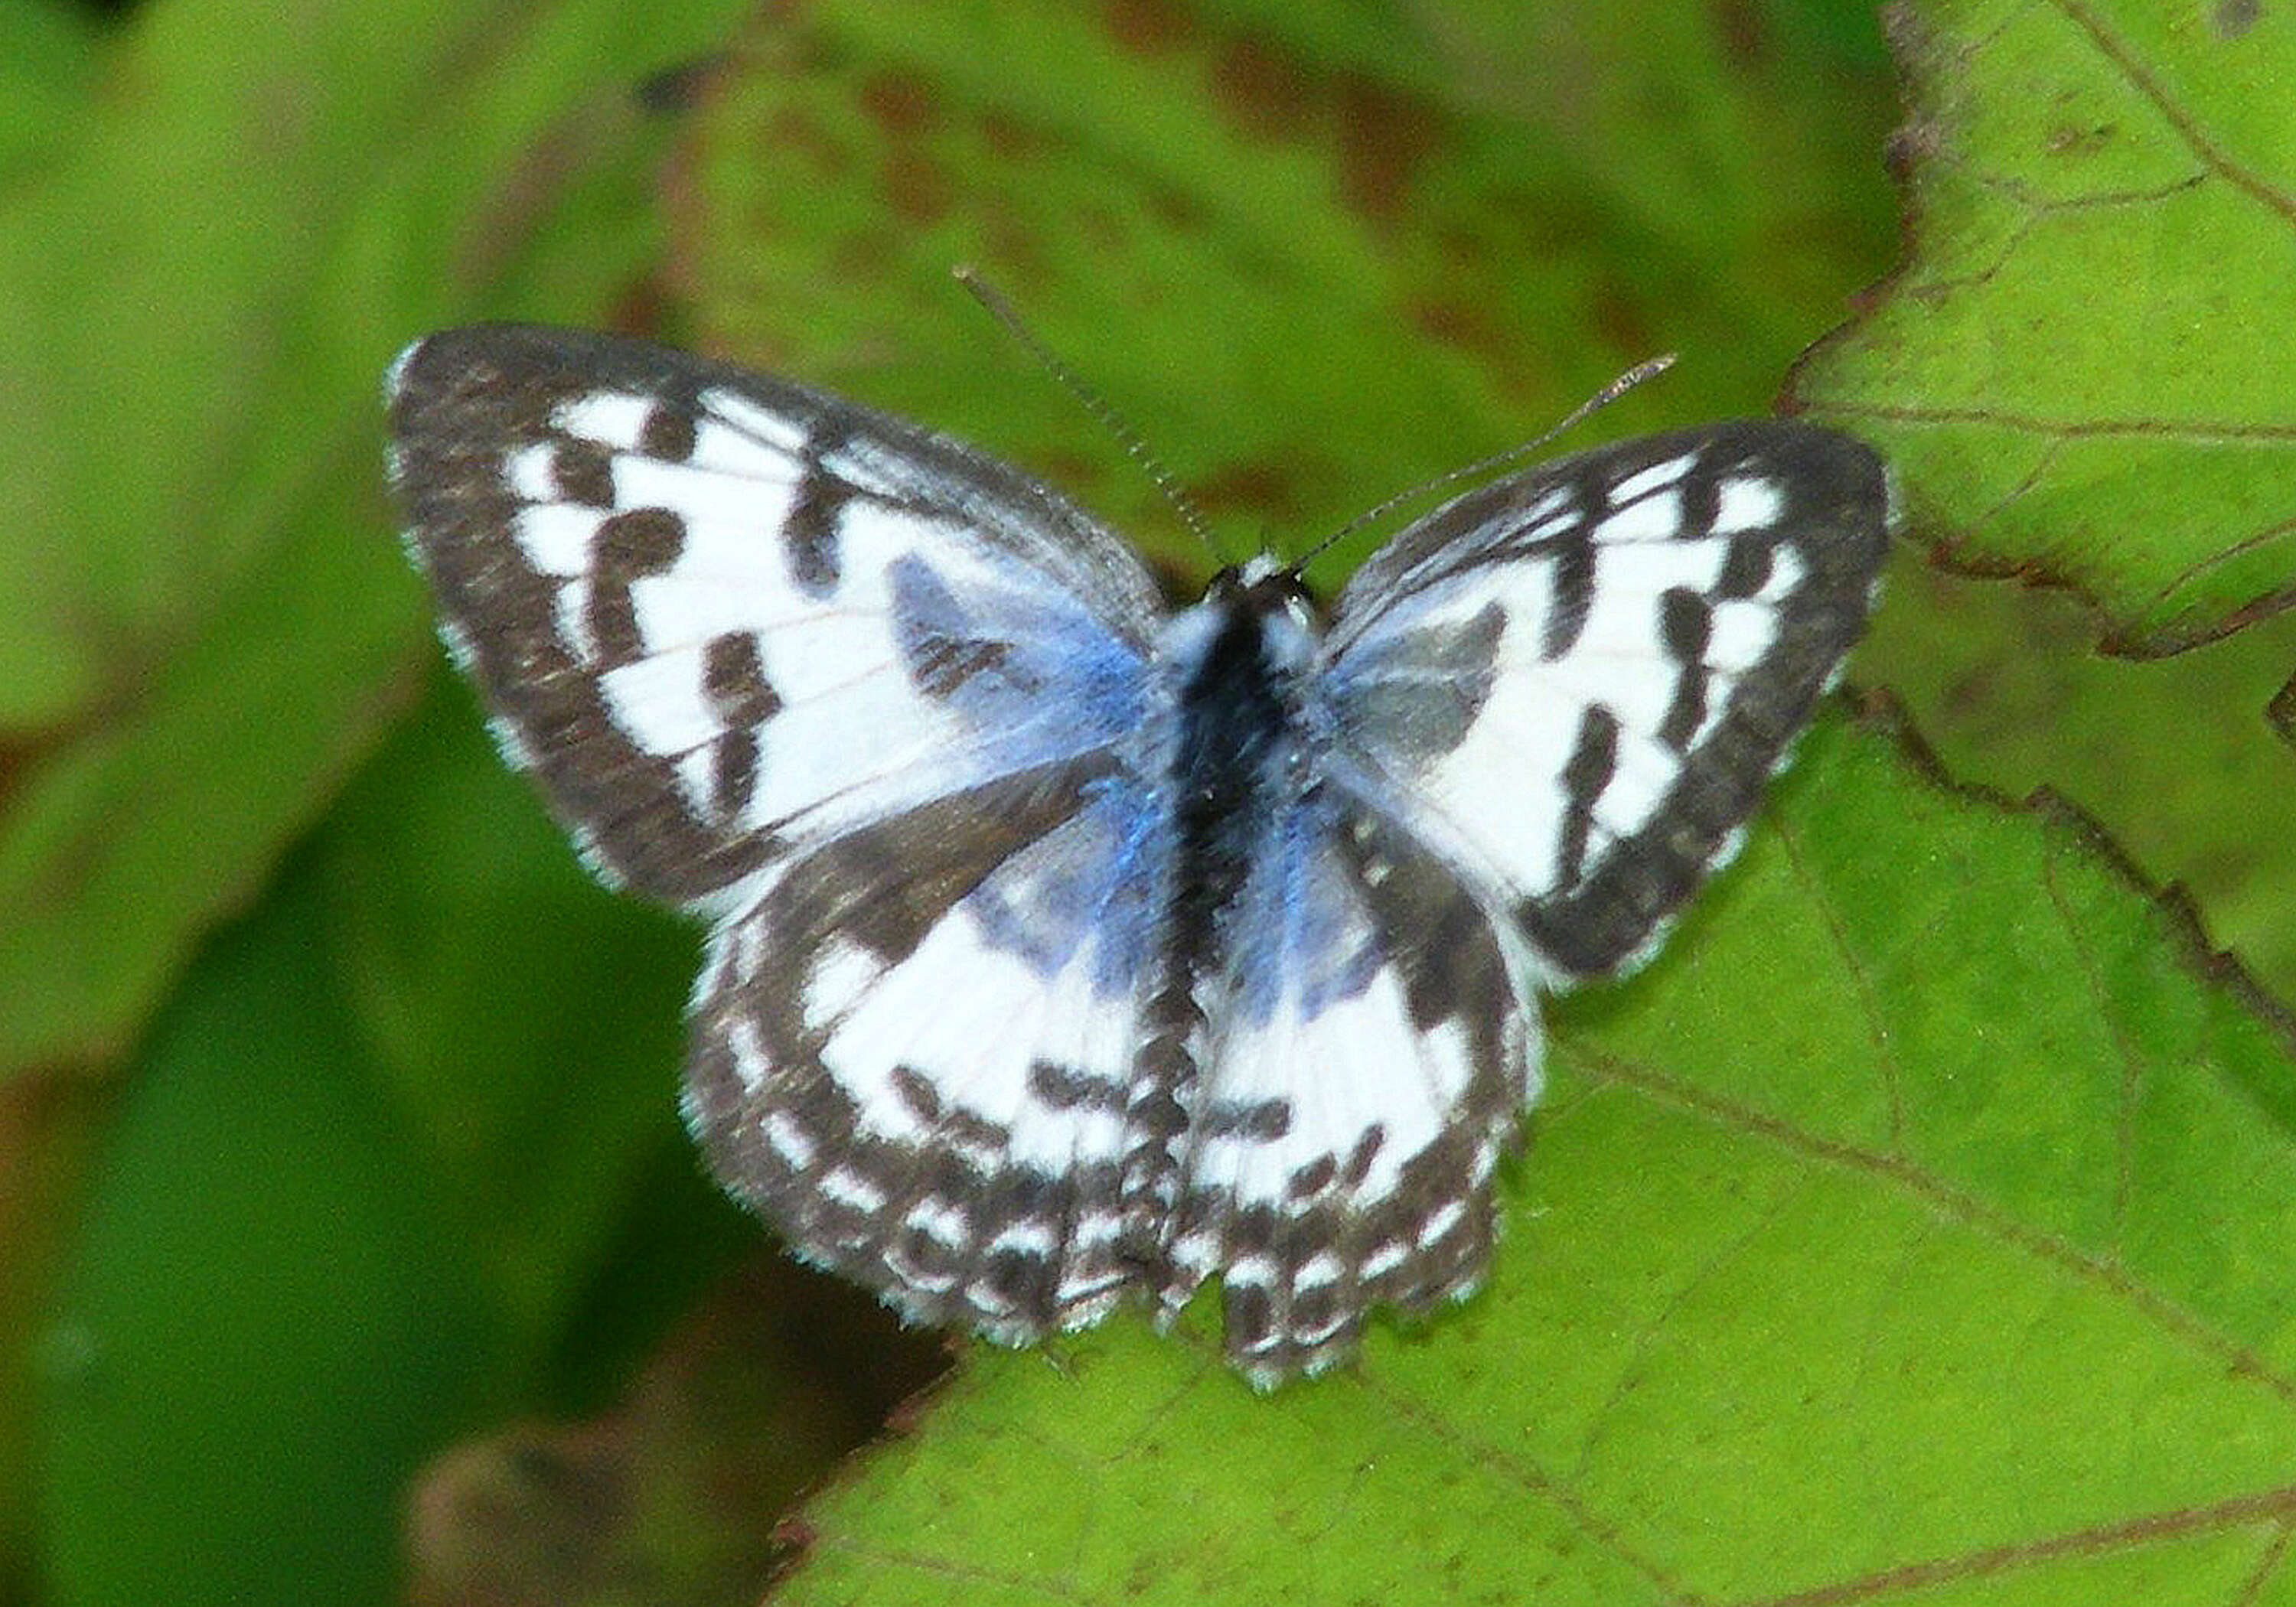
(1747, 627)
(1749, 502)
(556, 540)
(612, 419)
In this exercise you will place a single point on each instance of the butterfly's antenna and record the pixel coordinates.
(1109, 419)
(1602, 398)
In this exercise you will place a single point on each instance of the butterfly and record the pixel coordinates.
(1065, 948)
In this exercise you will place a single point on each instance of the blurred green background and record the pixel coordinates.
(1917, 1225)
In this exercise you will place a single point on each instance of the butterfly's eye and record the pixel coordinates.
(1278, 591)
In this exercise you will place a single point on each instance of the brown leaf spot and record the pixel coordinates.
(2234, 18)
(1148, 26)
(1384, 137)
(902, 103)
(1262, 90)
(1260, 487)
(917, 188)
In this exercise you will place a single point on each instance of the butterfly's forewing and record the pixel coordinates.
(723, 618)
(1572, 685)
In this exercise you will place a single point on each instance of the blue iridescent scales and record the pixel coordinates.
(1065, 948)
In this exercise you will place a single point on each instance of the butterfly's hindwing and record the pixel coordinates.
(1376, 1031)
(1662, 615)
(915, 1052)
(1064, 949)
(721, 616)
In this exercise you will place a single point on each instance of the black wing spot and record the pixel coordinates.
(1360, 1158)
(1592, 762)
(667, 434)
(917, 1093)
(583, 474)
(810, 535)
(1312, 1178)
(733, 678)
(1263, 1122)
(1572, 559)
(627, 548)
(1067, 1088)
(942, 647)
(1745, 567)
(734, 772)
(1685, 628)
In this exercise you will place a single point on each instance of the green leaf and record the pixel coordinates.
(2067, 376)
(48, 1125)
(203, 621)
(2179, 756)
(1909, 1224)
(527, 1023)
(1314, 255)
(47, 51)
(267, 1323)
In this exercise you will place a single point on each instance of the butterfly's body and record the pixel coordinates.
(1064, 947)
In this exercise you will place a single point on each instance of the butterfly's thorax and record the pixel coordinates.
(1239, 731)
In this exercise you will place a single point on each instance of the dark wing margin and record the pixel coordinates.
(1834, 520)
(461, 404)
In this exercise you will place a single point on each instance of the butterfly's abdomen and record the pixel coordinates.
(1236, 734)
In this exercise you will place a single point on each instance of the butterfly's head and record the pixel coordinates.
(1262, 585)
